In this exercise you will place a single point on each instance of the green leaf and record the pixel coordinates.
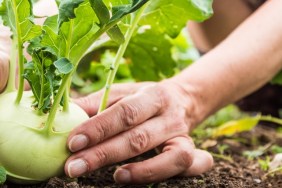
(116, 35)
(277, 79)
(50, 38)
(64, 66)
(253, 154)
(103, 15)
(3, 175)
(235, 126)
(150, 59)
(170, 16)
(17, 14)
(41, 75)
(125, 10)
(101, 11)
(276, 149)
(76, 35)
(66, 10)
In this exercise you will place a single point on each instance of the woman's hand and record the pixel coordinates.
(140, 117)
(4, 70)
(5, 45)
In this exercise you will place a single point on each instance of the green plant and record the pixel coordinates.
(264, 163)
(36, 124)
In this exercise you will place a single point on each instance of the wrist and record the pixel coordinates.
(184, 97)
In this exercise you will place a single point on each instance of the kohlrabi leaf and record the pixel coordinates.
(76, 35)
(43, 78)
(122, 11)
(101, 11)
(170, 16)
(104, 16)
(50, 38)
(151, 59)
(3, 175)
(17, 14)
(66, 10)
(63, 65)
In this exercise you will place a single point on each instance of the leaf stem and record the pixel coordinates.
(20, 55)
(276, 170)
(114, 67)
(67, 97)
(51, 117)
(271, 119)
(220, 156)
(41, 98)
(67, 55)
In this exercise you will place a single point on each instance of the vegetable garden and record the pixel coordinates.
(88, 46)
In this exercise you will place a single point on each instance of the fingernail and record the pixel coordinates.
(78, 142)
(122, 176)
(77, 168)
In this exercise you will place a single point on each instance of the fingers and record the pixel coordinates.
(123, 115)
(177, 156)
(123, 146)
(90, 104)
(203, 161)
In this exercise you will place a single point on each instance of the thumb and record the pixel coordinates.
(90, 104)
(4, 70)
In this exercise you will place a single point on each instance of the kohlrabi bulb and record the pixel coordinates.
(28, 154)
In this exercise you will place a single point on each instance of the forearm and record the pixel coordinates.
(242, 63)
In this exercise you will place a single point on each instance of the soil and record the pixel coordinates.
(239, 173)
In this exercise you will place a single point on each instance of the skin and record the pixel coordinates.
(160, 115)
(142, 117)
(4, 57)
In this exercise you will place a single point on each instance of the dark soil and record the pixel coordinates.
(238, 173)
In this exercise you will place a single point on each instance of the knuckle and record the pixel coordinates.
(180, 126)
(101, 130)
(129, 114)
(150, 176)
(176, 123)
(138, 141)
(102, 157)
(185, 158)
(163, 96)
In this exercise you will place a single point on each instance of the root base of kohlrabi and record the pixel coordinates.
(27, 153)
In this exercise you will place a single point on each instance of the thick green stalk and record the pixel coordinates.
(41, 97)
(66, 93)
(20, 55)
(51, 117)
(12, 72)
(67, 97)
(114, 67)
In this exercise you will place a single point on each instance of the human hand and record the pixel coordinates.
(4, 70)
(5, 44)
(139, 117)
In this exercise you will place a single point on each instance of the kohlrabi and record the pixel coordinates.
(34, 125)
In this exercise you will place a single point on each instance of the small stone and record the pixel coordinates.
(256, 180)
